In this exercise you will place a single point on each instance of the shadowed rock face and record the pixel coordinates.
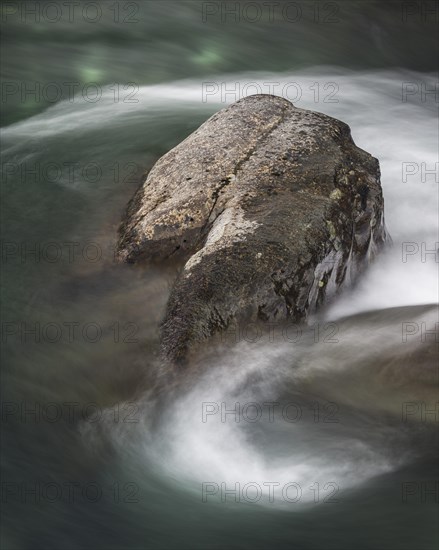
(272, 208)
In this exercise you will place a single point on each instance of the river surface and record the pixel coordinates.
(327, 434)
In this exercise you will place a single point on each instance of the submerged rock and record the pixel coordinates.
(272, 208)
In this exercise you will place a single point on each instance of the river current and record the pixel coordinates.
(312, 437)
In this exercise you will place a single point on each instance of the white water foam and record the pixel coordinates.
(394, 131)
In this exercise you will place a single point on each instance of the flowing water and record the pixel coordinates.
(343, 410)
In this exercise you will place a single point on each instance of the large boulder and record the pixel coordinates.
(272, 208)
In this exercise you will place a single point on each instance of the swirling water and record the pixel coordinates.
(352, 451)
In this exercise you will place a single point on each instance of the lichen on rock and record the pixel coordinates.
(271, 209)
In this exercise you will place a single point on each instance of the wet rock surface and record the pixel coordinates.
(271, 209)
